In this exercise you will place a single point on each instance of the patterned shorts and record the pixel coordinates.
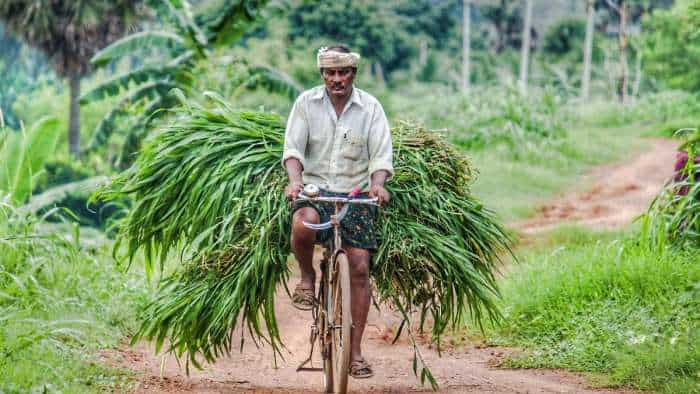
(356, 229)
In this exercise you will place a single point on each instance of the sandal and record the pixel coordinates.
(360, 369)
(303, 298)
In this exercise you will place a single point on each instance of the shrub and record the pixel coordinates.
(613, 307)
(664, 108)
(487, 116)
(674, 216)
(59, 302)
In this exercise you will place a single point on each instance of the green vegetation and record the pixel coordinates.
(22, 155)
(672, 47)
(674, 216)
(60, 301)
(543, 170)
(69, 33)
(613, 307)
(501, 115)
(185, 44)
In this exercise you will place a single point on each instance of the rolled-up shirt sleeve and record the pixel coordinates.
(379, 144)
(296, 135)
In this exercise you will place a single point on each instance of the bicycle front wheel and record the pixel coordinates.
(341, 320)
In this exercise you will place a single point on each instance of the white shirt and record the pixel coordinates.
(338, 153)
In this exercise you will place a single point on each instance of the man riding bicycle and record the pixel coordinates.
(337, 138)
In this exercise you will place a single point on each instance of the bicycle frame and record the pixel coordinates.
(322, 328)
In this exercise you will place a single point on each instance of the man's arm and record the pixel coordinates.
(295, 139)
(377, 190)
(380, 155)
(296, 184)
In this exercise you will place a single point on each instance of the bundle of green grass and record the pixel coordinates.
(674, 216)
(208, 188)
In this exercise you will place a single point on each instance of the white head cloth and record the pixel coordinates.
(327, 58)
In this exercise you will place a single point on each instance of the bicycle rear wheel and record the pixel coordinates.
(341, 320)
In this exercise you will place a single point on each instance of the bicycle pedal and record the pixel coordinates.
(309, 369)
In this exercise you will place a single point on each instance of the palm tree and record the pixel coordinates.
(186, 40)
(69, 32)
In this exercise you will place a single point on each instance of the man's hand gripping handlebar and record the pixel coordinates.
(311, 193)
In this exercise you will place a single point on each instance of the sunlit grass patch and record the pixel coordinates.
(610, 307)
(59, 303)
(514, 186)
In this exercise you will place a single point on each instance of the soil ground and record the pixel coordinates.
(461, 369)
(615, 195)
(618, 193)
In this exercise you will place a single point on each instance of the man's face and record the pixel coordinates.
(338, 80)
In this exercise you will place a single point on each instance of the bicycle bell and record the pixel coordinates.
(311, 190)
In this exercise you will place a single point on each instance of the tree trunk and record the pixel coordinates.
(638, 73)
(500, 28)
(423, 52)
(466, 46)
(74, 121)
(525, 49)
(379, 74)
(609, 71)
(587, 52)
(622, 40)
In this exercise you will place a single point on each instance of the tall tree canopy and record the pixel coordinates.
(69, 32)
(186, 38)
(386, 33)
(672, 45)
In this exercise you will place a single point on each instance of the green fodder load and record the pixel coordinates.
(674, 216)
(209, 188)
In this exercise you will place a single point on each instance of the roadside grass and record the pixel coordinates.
(626, 313)
(527, 148)
(60, 302)
(515, 186)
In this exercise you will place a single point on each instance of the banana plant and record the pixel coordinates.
(187, 40)
(22, 156)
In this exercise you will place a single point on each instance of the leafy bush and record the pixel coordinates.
(59, 172)
(59, 303)
(486, 117)
(185, 40)
(53, 100)
(55, 175)
(671, 46)
(666, 109)
(564, 37)
(674, 216)
(22, 155)
(617, 308)
(382, 32)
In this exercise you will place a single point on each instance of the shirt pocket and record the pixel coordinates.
(353, 145)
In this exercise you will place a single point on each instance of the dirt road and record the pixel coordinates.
(463, 369)
(618, 194)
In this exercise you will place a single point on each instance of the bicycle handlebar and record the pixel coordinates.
(342, 200)
(343, 211)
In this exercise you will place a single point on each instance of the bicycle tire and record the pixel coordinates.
(341, 318)
(324, 341)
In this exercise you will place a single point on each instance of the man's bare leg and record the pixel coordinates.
(303, 244)
(360, 291)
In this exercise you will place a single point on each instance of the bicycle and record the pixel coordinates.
(332, 323)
